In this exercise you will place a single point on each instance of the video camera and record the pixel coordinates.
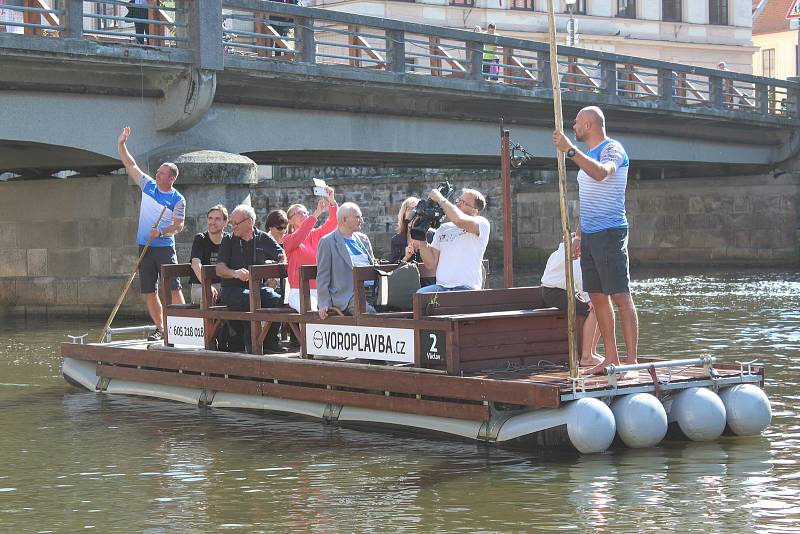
(428, 214)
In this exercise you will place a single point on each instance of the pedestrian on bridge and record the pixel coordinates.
(602, 237)
(157, 195)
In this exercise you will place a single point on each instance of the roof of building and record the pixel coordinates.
(771, 17)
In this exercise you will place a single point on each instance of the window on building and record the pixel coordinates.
(526, 5)
(579, 7)
(768, 62)
(626, 9)
(718, 12)
(671, 11)
(466, 3)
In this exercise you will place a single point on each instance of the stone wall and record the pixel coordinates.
(747, 220)
(67, 245)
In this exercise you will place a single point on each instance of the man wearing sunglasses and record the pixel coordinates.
(458, 246)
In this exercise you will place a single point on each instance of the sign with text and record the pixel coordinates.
(185, 331)
(433, 347)
(385, 344)
(794, 10)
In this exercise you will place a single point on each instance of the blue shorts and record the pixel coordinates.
(604, 261)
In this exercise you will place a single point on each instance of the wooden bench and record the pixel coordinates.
(490, 329)
(262, 318)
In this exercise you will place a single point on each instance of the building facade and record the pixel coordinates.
(776, 40)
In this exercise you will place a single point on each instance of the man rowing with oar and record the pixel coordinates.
(602, 236)
(157, 195)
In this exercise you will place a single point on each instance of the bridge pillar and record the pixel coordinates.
(207, 178)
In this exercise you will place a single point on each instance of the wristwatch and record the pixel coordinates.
(571, 153)
(160, 233)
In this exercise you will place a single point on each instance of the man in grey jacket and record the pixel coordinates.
(337, 253)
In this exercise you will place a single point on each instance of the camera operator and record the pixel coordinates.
(458, 246)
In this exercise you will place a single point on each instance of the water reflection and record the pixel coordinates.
(73, 460)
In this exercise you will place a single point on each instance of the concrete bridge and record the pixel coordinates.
(285, 84)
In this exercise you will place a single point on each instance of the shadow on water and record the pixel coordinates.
(74, 460)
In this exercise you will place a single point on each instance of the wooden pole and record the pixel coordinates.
(562, 193)
(130, 281)
(508, 238)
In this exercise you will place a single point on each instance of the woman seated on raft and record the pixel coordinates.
(404, 248)
(302, 240)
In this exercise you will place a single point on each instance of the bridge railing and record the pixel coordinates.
(154, 23)
(403, 52)
(330, 38)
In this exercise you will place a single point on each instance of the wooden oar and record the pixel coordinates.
(562, 194)
(130, 281)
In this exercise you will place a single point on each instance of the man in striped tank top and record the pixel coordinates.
(601, 241)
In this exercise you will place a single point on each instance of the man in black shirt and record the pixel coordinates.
(205, 249)
(248, 246)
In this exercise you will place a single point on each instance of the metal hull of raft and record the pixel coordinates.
(588, 420)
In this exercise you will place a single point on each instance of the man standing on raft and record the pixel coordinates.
(602, 236)
(156, 195)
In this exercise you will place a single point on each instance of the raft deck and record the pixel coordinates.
(401, 388)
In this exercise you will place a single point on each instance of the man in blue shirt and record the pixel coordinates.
(602, 237)
(157, 195)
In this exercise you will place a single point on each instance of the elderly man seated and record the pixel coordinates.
(337, 253)
(248, 246)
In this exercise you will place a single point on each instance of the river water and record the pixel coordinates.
(72, 460)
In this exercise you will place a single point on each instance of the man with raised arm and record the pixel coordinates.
(337, 253)
(458, 246)
(157, 195)
(602, 237)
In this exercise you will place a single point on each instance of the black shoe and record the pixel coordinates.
(273, 348)
(158, 335)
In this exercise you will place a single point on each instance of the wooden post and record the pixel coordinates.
(31, 17)
(562, 193)
(354, 53)
(505, 175)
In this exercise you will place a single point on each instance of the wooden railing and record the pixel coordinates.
(377, 49)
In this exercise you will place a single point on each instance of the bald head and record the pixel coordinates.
(594, 115)
(590, 125)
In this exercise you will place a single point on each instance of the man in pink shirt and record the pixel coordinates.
(301, 244)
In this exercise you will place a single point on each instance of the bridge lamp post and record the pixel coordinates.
(570, 23)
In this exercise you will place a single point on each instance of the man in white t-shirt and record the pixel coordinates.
(458, 246)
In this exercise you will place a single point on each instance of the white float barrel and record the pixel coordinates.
(747, 408)
(641, 420)
(590, 425)
(699, 413)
